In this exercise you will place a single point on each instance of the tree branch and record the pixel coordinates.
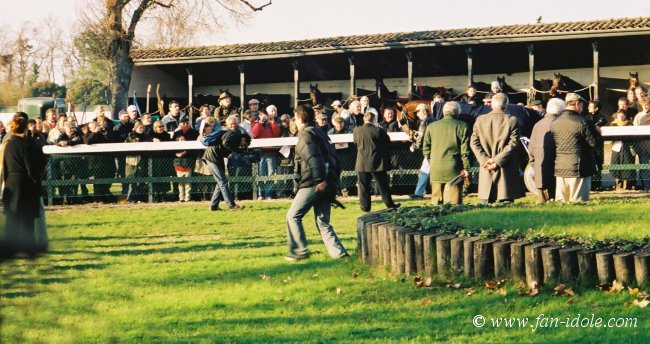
(253, 7)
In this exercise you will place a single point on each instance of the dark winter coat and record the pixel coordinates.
(316, 159)
(371, 142)
(541, 153)
(574, 140)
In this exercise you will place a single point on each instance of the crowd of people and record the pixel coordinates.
(427, 143)
(565, 151)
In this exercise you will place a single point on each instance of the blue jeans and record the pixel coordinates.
(265, 168)
(305, 199)
(423, 179)
(222, 189)
(421, 187)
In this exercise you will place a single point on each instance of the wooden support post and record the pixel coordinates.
(443, 253)
(392, 242)
(551, 264)
(353, 80)
(624, 267)
(501, 251)
(190, 95)
(429, 252)
(370, 239)
(518, 260)
(385, 240)
(378, 255)
(470, 66)
(531, 68)
(409, 73)
(401, 250)
(456, 246)
(362, 243)
(534, 269)
(242, 91)
(483, 259)
(605, 267)
(587, 266)
(569, 263)
(296, 83)
(594, 46)
(410, 267)
(419, 252)
(642, 268)
(381, 241)
(468, 256)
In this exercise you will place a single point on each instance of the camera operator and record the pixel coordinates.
(317, 181)
(220, 145)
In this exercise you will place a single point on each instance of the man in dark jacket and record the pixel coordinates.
(372, 161)
(317, 184)
(574, 140)
(541, 151)
(220, 145)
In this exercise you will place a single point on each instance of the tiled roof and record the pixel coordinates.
(351, 42)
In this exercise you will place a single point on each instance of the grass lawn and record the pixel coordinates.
(178, 273)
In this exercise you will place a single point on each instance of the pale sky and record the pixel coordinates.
(303, 19)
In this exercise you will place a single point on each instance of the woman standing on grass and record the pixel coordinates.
(22, 167)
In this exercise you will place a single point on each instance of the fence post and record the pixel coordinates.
(150, 175)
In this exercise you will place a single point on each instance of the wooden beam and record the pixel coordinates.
(594, 46)
(190, 86)
(531, 66)
(409, 75)
(353, 80)
(242, 90)
(296, 83)
(470, 66)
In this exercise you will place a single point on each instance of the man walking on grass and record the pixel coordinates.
(317, 183)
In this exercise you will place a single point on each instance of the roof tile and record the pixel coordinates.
(388, 38)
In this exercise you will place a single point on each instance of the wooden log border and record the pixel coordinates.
(406, 251)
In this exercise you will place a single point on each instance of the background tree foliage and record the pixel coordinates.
(95, 59)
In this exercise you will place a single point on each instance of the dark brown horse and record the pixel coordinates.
(380, 98)
(515, 96)
(423, 92)
(558, 88)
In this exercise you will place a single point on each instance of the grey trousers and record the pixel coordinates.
(305, 199)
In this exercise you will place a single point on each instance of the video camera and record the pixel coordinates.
(246, 157)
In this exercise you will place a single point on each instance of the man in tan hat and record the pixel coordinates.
(424, 119)
(225, 108)
(575, 140)
(254, 106)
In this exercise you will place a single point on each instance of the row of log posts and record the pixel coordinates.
(406, 251)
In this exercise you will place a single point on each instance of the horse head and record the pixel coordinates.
(314, 94)
(634, 79)
(501, 81)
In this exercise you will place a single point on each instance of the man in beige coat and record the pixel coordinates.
(495, 143)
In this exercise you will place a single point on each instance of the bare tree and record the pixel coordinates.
(114, 22)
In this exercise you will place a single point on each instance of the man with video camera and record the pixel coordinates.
(221, 144)
(317, 182)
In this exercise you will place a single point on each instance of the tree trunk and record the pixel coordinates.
(122, 65)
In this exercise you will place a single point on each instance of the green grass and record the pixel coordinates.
(179, 273)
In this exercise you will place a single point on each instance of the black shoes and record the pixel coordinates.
(296, 257)
(236, 207)
(395, 206)
(414, 196)
(214, 208)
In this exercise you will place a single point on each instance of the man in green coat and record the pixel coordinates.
(446, 145)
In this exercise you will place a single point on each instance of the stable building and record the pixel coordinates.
(599, 54)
